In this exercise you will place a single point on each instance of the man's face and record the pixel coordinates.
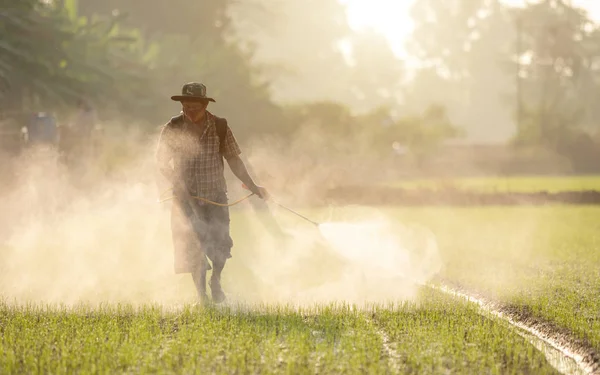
(194, 110)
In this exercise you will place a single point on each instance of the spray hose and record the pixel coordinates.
(206, 200)
(237, 202)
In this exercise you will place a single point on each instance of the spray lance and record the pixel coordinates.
(288, 209)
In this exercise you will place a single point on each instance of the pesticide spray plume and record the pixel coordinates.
(374, 250)
(99, 236)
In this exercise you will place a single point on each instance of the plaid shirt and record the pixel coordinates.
(196, 158)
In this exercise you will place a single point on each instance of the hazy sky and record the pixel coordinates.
(391, 18)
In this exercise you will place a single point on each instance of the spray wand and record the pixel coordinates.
(289, 209)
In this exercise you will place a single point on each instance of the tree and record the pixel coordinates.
(194, 41)
(376, 75)
(206, 18)
(50, 60)
(464, 48)
(423, 133)
(558, 78)
(305, 44)
(560, 43)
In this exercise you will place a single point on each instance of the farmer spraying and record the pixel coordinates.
(197, 142)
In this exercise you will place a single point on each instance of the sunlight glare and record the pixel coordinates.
(389, 17)
(392, 18)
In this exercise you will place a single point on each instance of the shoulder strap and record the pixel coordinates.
(221, 125)
(177, 120)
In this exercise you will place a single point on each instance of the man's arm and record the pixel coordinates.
(231, 153)
(240, 171)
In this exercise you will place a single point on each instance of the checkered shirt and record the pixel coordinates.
(196, 158)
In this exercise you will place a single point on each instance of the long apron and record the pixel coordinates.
(200, 234)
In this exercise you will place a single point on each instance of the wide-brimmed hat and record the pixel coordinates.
(193, 92)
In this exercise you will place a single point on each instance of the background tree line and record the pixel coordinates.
(487, 71)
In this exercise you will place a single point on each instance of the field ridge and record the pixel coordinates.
(573, 349)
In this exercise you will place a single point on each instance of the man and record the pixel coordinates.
(196, 142)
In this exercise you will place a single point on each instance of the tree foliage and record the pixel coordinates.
(420, 133)
(560, 78)
(464, 49)
(486, 59)
(194, 41)
(50, 59)
(128, 58)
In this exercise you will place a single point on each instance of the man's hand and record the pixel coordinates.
(239, 170)
(262, 192)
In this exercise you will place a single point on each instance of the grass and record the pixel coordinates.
(434, 336)
(542, 260)
(443, 334)
(550, 184)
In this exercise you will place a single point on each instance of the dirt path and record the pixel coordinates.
(388, 346)
(563, 352)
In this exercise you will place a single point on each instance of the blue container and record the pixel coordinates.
(42, 129)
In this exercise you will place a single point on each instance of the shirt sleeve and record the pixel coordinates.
(231, 147)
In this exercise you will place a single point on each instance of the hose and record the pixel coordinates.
(237, 202)
(207, 200)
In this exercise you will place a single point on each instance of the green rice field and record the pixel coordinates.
(519, 184)
(431, 337)
(541, 261)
